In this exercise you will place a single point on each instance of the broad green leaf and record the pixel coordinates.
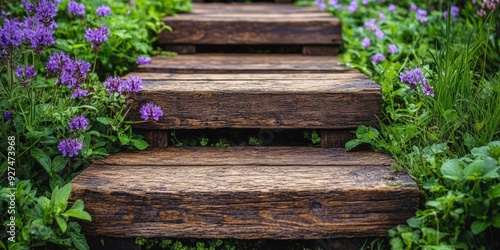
(62, 196)
(451, 170)
(105, 120)
(396, 244)
(494, 191)
(481, 152)
(492, 174)
(124, 139)
(79, 241)
(42, 158)
(78, 205)
(140, 144)
(352, 144)
(59, 163)
(479, 226)
(475, 168)
(78, 214)
(62, 223)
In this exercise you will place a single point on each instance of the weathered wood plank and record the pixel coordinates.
(245, 24)
(244, 63)
(266, 103)
(176, 196)
(331, 138)
(155, 138)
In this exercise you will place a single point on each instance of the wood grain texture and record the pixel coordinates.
(330, 101)
(336, 138)
(279, 193)
(180, 49)
(155, 138)
(244, 63)
(252, 24)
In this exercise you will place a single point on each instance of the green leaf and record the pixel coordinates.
(451, 170)
(43, 159)
(124, 139)
(479, 226)
(140, 144)
(79, 214)
(492, 174)
(396, 244)
(62, 223)
(79, 241)
(62, 196)
(78, 205)
(495, 220)
(475, 168)
(59, 163)
(352, 144)
(105, 120)
(494, 191)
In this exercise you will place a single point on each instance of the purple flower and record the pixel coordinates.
(56, 63)
(28, 6)
(112, 84)
(391, 8)
(353, 6)
(393, 49)
(132, 84)
(413, 77)
(79, 93)
(454, 12)
(321, 4)
(381, 16)
(76, 9)
(46, 11)
(371, 25)
(97, 36)
(379, 33)
(40, 36)
(364, 2)
(413, 7)
(366, 42)
(427, 89)
(70, 147)
(150, 110)
(377, 58)
(78, 123)
(335, 4)
(103, 11)
(421, 15)
(26, 73)
(12, 33)
(143, 60)
(74, 73)
(7, 116)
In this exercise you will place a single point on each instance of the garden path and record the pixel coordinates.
(246, 192)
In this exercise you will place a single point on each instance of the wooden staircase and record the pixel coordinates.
(245, 192)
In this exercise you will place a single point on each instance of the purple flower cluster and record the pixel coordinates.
(391, 8)
(70, 147)
(103, 11)
(26, 73)
(38, 30)
(454, 10)
(76, 9)
(392, 49)
(97, 36)
(416, 77)
(321, 4)
(421, 15)
(371, 25)
(353, 6)
(133, 84)
(143, 60)
(366, 42)
(150, 110)
(69, 72)
(377, 58)
(79, 93)
(488, 5)
(78, 123)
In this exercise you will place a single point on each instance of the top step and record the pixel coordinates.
(252, 24)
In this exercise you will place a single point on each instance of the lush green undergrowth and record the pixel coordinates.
(57, 115)
(440, 81)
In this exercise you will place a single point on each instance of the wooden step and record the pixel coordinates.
(253, 24)
(261, 97)
(245, 193)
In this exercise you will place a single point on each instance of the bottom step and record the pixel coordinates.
(245, 193)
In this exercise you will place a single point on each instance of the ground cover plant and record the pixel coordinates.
(57, 116)
(438, 63)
